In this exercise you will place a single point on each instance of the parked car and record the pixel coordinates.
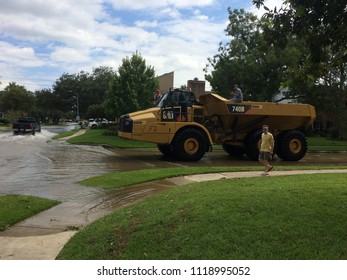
(98, 122)
(26, 125)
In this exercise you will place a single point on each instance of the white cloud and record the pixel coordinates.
(70, 55)
(146, 24)
(152, 4)
(70, 36)
(18, 56)
(168, 13)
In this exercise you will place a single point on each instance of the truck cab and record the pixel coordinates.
(178, 105)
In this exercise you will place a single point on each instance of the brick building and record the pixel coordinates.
(196, 86)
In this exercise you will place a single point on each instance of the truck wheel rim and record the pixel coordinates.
(295, 146)
(191, 146)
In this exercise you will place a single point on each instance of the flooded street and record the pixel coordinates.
(32, 165)
(35, 165)
(38, 166)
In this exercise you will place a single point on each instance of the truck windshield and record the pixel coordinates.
(163, 101)
(176, 98)
(25, 120)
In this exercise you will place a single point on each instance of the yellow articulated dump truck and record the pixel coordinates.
(186, 128)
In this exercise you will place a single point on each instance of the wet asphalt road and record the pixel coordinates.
(33, 165)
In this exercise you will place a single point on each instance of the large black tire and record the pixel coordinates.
(253, 144)
(292, 145)
(233, 150)
(165, 150)
(190, 144)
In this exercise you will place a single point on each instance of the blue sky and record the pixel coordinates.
(42, 39)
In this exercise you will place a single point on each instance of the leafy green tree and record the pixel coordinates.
(16, 98)
(82, 90)
(96, 111)
(100, 82)
(321, 23)
(132, 87)
(46, 106)
(249, 60)
(64, 90)
(320, 78)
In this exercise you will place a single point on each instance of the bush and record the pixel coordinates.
(111, 130)
(4, 121)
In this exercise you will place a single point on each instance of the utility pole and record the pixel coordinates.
(76, 105)
(78, 108)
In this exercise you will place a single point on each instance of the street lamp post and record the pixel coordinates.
(78, 107)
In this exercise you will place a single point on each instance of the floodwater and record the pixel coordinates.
(34, 165)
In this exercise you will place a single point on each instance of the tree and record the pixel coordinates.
(64, 90)
(321, 76)
(132, 87)
(249, 60)
(46, 105)
(82, 89)
(16, 98)
(321, 23)
(96, 111)
(101, 78)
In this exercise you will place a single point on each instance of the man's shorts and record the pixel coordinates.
(264, 155)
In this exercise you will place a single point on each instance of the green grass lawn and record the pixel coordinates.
(326, 144)
(127, 178)
(288, 217)
(15, 208)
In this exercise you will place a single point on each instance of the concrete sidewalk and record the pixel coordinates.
(78, 133)
(41, 247)
(48, 246)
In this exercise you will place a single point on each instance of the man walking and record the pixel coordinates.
(266, 149)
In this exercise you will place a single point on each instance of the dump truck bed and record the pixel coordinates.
(245, 114)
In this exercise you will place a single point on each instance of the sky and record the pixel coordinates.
(40, 40)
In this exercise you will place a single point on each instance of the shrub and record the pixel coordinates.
(4, 121)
